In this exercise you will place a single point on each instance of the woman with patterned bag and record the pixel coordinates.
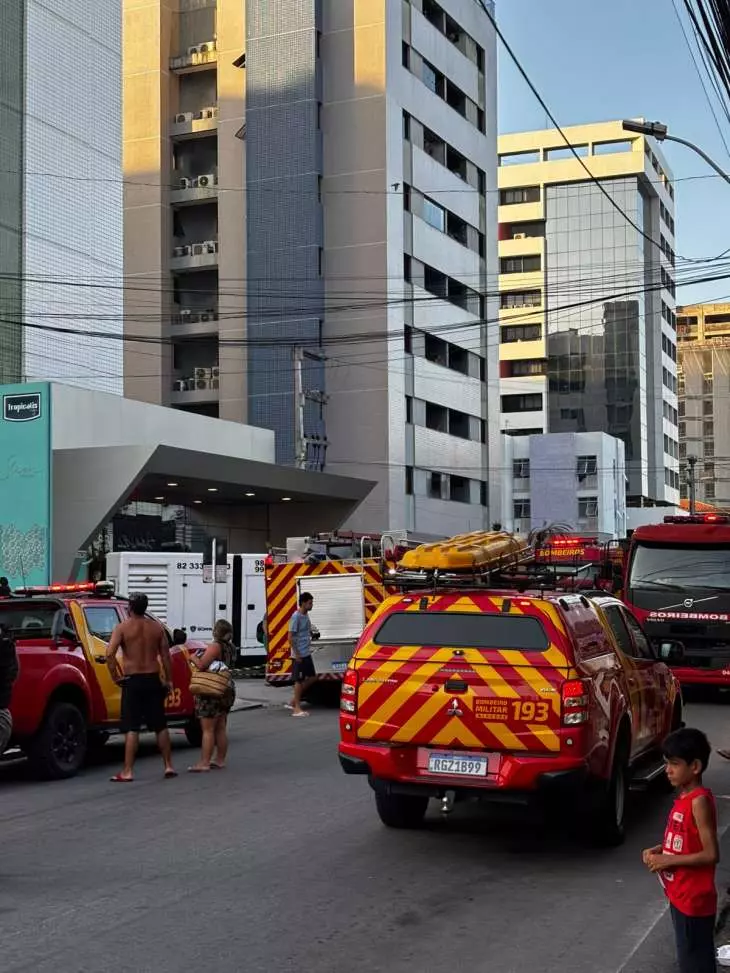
(214, 690)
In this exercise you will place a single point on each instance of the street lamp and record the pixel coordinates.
(659, 131)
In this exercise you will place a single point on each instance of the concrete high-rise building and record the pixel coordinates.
(61, 192)
(703, 331)
(587, 296)
(309, 240)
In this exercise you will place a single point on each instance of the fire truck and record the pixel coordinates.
(345, 573)
(677, 584)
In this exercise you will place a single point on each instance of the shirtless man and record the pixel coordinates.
(144, 646)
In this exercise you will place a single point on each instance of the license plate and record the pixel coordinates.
(457, 765)
(339, 667)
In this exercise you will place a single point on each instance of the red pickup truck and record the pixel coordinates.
(64, 700)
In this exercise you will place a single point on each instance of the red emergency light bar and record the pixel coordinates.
(569, 541)
(698, 519)
(90, 587)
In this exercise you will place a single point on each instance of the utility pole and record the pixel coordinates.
(691, 483)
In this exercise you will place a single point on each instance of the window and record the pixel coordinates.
(531, 402)
(533, 366)
(521, 332)
(707, 406)
(525, 231)
(586, 466)
(587, 507)
(614, 617)
(608, 148)
(520, 265)
(511, 299)
(407, 275)
(524, 194)
(409, 408)
(409, 481)
(31, 621)
(467, 629)
(435, 486)
(406, 126)
(406, 197)
(521, 509)
(434, 214)
(519, 158)
(456, 99)
(408, 339)
(521, 469)
(101, 621)
(565, 152)
(436, 417)
(458, 359)
(436, 350)
(459, 424)
(434, 146)
(457, 229)
(433, 79)
(459, 489)
(708, 429)
(709, 491)
(406, 55)
(642, 648)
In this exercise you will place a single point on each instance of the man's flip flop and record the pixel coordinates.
(198, 770)
(118, 779)
(295, 715)
(169, 774)
(215, 766)
(724, 753)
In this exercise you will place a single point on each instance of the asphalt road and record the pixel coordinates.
(280, 864)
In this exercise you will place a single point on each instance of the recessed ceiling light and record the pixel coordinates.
(197, 501)
(159, 498)
(172, 484)
(250, 494)
(212, 489)
(286, 498)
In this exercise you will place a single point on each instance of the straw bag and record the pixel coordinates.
(204, 683)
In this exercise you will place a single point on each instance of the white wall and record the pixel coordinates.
(73, 192)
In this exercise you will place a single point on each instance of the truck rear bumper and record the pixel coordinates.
(518, 779)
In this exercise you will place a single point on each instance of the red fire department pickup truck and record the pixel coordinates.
(64, 699)
(462, 687)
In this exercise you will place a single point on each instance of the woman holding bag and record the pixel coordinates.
(212, 686)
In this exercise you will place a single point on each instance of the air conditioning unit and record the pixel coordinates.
(205, 182)
(211, 246)
(205, 316)
(215, 371)
(201, 373)
(177, 62)
(186, 313)
(201, 383)
(206, 113)
(193, 50)
(520, 236)
(207, 48)
(186, 183)
(198, 250)
(213, 383)
(180, 385)
(182, 251)
(182, 117)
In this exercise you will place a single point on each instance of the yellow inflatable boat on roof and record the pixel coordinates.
(477, 551)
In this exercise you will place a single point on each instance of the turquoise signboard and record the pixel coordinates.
(25, 483)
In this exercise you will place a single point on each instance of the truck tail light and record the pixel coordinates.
(575, 696)
(348, 697)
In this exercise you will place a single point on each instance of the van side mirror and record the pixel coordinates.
(671, 651)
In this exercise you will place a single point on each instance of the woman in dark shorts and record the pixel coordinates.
(212, 711)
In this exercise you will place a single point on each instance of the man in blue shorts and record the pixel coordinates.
(300, 643)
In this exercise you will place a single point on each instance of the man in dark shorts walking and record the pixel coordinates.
(144, 647)
(300, 643)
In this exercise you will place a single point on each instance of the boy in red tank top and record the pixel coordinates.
(685, 861)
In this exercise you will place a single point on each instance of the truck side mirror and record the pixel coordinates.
(671, 651)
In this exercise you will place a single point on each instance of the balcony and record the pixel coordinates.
(188, 124)
(195, 322)
(196, 389)
(199, 57)
(195, 256)
(195, 189)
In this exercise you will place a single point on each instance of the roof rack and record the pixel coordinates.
(492, 559)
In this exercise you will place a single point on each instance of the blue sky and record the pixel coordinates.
(595, 60)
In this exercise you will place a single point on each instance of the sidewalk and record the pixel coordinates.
(256, 693)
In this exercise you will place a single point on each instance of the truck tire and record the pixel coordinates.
(608, 818)
(194, 732)
(401, 810)
(58, 750)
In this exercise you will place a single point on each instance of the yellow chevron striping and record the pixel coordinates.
(456, 730)
(493, 679)
(545, 735)
(425, 713)
(399, 698)
(534, 678)
(383, 671)
(505, 736)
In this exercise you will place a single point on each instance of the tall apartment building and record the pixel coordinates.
(328, 279)
(61, 192)
(703, 332)
(587, 300)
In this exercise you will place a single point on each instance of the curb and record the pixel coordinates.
(247, 704)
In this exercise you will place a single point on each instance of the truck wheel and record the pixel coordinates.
(59, 748)
(401, 810)
(194, 732)
(608, 820)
